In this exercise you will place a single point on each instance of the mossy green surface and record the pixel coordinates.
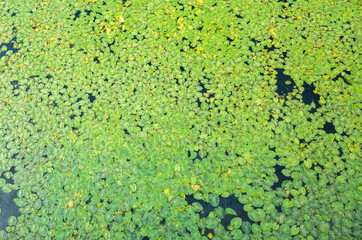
(112, 112)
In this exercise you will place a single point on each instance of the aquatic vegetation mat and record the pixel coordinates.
(180, 119)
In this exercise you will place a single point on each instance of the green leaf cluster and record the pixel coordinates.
(112, 113)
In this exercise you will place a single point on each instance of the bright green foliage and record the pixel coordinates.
(116, 166)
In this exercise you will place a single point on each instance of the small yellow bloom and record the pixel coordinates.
(167, 190)
(180, 20)
(287, 193)
(271, 30)
(70, 204)
(120, 19)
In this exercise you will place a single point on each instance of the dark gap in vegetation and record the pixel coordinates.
(91, 97)
(207, 231)
(31, 121)
(253, 47)
(341, 153)
(210, 95)
(341, 76)
(207, 207)
(192, 45)
(90, 11)
(329, 128)
(55, 104)
(9, 47)
(195, 155)
(7, 175)
(8, 207)
(198, 103)
(110, 45)
(233, 203)
(272, 48)
(228, 202)
(15, 156)
(76, 15)
(12, 14)
(88, 201)
(278, 208)
(285, 17)
(15, 84)
(280, 175)
(203, 90)
(285, 84)
(317, 167)
(140, 127)
(345, 134)
(180, 5)
(229, 40)
(309, 97)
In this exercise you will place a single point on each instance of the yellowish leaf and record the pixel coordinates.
(180, 19)
(271, 30)
(195, 187)
(167, 190)
(120, 19)
(70, 204)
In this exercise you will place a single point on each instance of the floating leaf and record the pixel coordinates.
(12, 220)
(133, 187)
(211, 223)
(2, 182)
(7, 188)
(230, 211)
(198, 206)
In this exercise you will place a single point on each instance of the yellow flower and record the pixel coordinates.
(70, 204)
(195, 187)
